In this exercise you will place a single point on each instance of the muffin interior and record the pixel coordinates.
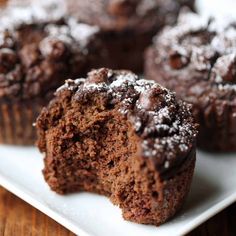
(97, 139)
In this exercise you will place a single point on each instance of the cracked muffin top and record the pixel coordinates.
(200, 53)
(163, 124)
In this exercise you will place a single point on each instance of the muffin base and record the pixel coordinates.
(174, 193)
(217, 130)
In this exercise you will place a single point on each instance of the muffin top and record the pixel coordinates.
(138, 15)
(38, 52)
(163, 124)
(200, 54)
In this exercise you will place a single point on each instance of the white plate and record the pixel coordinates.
(214, 188)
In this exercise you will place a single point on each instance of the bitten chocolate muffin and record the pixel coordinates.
(37, 53)
(197, 59)
(127, 25)
(125, 137)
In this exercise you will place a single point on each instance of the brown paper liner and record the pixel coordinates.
(218, 128)
(16, 121)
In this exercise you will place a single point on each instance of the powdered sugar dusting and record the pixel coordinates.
(81, 32)
(71, 84)
(224, 72)
(227, 87)
(164, 124)
(71, 31)
(207, 45)
(123, 79)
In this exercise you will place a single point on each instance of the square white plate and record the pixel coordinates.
(213, 188)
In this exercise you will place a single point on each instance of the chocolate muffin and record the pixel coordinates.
(121, 136)
(37, 53)
(127, 25)
(197, 60)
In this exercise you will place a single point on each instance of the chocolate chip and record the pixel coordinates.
(224, 70)
(98, 76)
(8, 60)
(6, 40)
(151, 99)
(29, 55)
(178, 61)
(53, 48)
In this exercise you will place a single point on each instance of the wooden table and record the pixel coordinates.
(21, 219)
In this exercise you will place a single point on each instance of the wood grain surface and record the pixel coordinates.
(18, 218)
(21, 219)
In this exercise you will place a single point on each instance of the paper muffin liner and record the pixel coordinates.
(218, 128)
(17, 119)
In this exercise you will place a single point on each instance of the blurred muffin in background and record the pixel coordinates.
(197, 59)
(127, 25)
(37, 53)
